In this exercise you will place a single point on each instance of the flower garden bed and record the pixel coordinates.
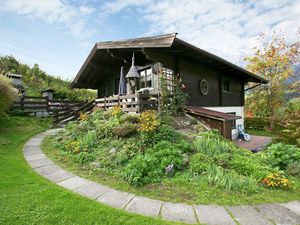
(158, 157)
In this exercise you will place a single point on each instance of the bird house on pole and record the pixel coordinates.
(132, 78)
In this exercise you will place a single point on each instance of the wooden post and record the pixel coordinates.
(47, 103)
(139, 102)
(22, 102)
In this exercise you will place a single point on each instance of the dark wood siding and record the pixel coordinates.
(192, 74)
(234, 96)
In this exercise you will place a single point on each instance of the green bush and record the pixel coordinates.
(85, 157)
(248, 166)
(199, 163)
(256, 123)
(163, 133)
(7, 94)
(290, 127)
(104, 128)
(281, 155)
(166, 154)
(150, 166)
(124, 130)
(130, 118)
(142, 169)
(88, 140)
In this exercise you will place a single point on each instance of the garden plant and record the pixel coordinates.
(146, 153)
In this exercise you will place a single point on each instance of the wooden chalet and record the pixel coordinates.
(215, 86)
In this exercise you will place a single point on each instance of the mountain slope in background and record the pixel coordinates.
(36, 80)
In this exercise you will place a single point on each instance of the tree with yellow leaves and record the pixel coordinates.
(273, 61)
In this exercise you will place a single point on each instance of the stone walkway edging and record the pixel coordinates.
(277, 213)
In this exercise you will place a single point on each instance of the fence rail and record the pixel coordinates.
(35, 104)
(133, 103)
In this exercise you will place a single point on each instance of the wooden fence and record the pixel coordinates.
(133, 103)
(33, 104)
(72, 112)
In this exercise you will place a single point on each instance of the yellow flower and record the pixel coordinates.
(116, 110)
(83, 116)
(148, 121)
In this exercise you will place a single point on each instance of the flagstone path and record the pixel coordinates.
(281, 213)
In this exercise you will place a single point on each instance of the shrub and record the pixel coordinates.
(277, 180)
(290, 132)
(280, 155)
(199, 163)
(88, 140)
(257, 123)
(127, 152)
(148, 121)
(293, 169)
(151, 166)
(124, 130)
(166, 133)
(248, 166)
(85, 157)
(104, 128)
(7, 94)
(166, 154)
(230, 180)
(130, 118)
(142, 169)
(163, 133)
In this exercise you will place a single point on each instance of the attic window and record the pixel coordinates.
(226, 86)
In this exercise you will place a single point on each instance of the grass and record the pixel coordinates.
(178, 189)
(27, 198)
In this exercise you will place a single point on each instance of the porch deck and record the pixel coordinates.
(257, 143)
(131, 103)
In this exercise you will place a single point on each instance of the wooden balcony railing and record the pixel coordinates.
(133, 103)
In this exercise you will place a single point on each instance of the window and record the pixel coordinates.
(233, 121)
(146, 78)
(226, 86)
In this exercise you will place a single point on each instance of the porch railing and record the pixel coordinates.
(133, 103)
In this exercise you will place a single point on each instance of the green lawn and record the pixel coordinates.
(27, 198)
(177, 189)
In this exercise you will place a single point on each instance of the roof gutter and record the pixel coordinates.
(247, 89)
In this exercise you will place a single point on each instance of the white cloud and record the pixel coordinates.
(53, 12)
(86, 9)
(227, 28)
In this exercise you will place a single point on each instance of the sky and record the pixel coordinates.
(59, 34)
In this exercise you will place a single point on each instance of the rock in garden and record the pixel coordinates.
(185, 159)
(113, 151)
(95, 165)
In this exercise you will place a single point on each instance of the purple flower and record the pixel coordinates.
(169, 169)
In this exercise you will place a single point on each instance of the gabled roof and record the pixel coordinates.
(168, 44)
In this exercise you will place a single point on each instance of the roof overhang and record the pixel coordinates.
(212, 114)
(107, 57)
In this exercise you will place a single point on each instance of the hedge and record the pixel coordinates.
(257, 123)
